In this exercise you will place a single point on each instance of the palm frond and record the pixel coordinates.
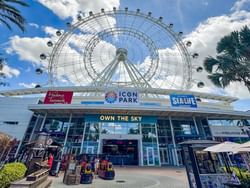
(10, 14)
(13, 20)
(5, 23)
(18, 2)
(215, 79)
(209, 63)
(245, 36)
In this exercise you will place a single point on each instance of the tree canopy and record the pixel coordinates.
(232, 62)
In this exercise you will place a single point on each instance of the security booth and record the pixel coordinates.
(204, 169)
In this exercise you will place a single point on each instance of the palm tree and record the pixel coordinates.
(232, 63)
(9, 13)
(4, 144)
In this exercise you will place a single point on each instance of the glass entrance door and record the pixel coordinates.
(150, 156)
(75, 150)
(179, 157)
(121, 152)
(90, 149)
(164, 156)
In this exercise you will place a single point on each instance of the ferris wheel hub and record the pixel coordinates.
(121, 54)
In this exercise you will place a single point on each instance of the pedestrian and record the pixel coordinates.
(50, 161)
(97, 164)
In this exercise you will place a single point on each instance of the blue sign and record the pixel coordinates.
(183, 101)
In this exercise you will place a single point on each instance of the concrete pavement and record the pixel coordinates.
(136, 177)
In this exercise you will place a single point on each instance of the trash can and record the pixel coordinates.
(86, 178)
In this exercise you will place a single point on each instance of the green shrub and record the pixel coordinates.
(243, 175)
(10, 173)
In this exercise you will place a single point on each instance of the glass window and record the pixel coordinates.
(92, 128)
(121, 128)
(133, 128)
(209, 163)
(186, 129)
(146, 130)
(204, 162)
(91, 137)
(108, 128)
(224, 122)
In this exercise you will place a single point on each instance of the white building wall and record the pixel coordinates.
(15, 110)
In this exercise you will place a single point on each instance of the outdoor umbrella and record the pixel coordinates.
(222, 147)
(245, 145)
(241, 150)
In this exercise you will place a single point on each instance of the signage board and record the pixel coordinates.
(58, 97)
(183, 101)
(227, 131)
(122, 97)
(120, 118)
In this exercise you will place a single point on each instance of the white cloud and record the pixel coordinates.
(34, 25)
(26, 85)
(29, 49)
(70, 8)
(204, 2)
(51, 31)
(240, 4)
(10, 72)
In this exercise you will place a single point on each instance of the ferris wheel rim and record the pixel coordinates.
(66, 35)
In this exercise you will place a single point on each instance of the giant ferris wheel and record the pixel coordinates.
(120, 48)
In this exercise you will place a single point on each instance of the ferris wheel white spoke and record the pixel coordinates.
(104, 75)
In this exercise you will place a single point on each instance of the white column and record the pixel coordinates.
(196, 127)
(33, 130)
(173, 140)
(42, 125)
(141, 147)
(210, 129)
(83, 134)
(99, 143)
(158, 149)
(67, 133)
(18, 148)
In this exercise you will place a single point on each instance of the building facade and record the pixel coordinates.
(146, 134)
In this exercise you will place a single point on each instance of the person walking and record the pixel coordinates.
(50, 161)
(97, 163)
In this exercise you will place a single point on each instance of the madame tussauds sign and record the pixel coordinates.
(126, 97)
(58, 97)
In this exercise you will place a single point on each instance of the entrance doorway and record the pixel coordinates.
(164, 156)
(121, 152)
(150, 156)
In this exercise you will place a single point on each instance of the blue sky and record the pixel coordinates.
(203, 22)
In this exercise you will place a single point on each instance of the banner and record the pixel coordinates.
(121, 96)
(183, 101)
(227, 131)
(58, 97)
(120, 118)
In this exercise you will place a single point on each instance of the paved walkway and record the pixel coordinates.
(136, 177)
